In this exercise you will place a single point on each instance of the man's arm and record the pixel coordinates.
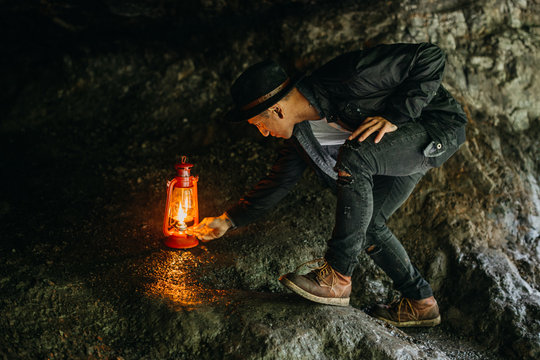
(285, 173)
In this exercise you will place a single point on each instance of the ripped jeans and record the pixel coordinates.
(382, 176)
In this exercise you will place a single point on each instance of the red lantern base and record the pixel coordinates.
(181, 242)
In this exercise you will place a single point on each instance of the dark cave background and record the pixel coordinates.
(101, 98)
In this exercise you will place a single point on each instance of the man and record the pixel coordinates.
(370, 123)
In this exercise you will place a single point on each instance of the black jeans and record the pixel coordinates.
(382, 176)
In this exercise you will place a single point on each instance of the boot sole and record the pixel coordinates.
(413, 323)
(321, 300)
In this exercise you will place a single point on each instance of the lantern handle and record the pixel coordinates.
(184, 159)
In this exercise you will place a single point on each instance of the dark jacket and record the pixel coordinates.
(400, 82)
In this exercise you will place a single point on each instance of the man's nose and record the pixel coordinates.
(264, 132)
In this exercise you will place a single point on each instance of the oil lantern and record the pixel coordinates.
(182, 209)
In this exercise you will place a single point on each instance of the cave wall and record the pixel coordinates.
(156, 74)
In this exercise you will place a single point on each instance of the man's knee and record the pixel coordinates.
(344, 177)
(378, 233)
(371, 249)
(352, 163)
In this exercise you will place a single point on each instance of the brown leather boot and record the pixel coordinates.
(407, 312)
(323, 284)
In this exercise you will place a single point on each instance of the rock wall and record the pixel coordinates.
(148, 81)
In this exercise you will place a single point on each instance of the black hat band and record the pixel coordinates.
(266, 96)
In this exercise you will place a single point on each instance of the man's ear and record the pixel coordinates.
(278, 110)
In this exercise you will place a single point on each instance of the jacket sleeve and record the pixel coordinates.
(419, 83)
(284, 174)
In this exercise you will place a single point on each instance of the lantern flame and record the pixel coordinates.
(181, 216)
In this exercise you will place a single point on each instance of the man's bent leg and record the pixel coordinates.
(398, 154)
(417, 307)
(353, 214)
(389, 193)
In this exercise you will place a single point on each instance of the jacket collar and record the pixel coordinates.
(315, 94)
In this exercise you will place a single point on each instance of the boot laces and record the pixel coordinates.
(405, 304)
(322, 269)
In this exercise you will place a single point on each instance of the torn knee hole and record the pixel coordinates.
(344, 178)
(371, 249)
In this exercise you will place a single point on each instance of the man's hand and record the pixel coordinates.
(372, 124)
(211, 228)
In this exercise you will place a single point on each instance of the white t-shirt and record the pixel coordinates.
(328, 133)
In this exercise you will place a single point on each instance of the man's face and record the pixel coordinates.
(273, 124)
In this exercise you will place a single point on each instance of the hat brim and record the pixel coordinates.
(237, 115)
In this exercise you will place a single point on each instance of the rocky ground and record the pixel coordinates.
(101, 100)
(96, 282)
